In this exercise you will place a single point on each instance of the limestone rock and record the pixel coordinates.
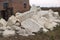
(2, 22)
(7, 33)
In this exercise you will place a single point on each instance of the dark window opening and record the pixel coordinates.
(25, 5)
(5, 5)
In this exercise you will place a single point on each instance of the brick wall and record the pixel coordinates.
(18, 5)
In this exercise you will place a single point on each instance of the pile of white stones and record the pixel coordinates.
(28, 22)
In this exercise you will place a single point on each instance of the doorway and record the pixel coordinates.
(4, 15)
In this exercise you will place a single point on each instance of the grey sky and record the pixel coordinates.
(46, 3)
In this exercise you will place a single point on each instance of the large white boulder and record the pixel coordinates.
(35, 8)
(24, 16)
(11, 21)
(50, 25)
(2, 22)
(31, 25)
(25, 32)
(7, 33)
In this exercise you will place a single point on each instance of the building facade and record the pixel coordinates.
(16, 5)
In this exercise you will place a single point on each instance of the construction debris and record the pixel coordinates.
(28, 22)
(7, 33)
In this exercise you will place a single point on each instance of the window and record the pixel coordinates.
(25, 5)
(5, 5)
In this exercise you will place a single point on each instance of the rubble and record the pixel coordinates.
(31, 25)
(28, 22)
(11, 21)
(25, 32)
(7, 33)
(2, 22)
